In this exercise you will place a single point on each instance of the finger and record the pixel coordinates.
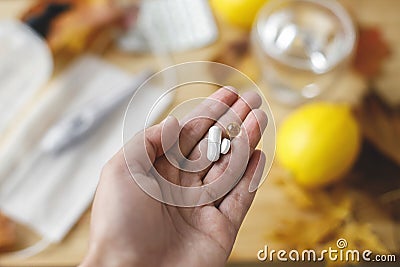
(151, 143)
(236, 204)
(252, 129)
(237, 113)
(196, 124)
(240, 109)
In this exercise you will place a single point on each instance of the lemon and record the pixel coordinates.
(237, 12)
(318, 143)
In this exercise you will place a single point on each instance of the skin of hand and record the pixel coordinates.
(130, 228)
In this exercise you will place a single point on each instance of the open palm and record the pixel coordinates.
(129, 227)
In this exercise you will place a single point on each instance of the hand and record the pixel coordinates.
(130, 228)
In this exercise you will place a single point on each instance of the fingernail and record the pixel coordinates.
(258, 174)
(261, 118)
(169, 117)
(230, 88)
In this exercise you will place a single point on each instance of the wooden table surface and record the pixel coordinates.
(252, 235)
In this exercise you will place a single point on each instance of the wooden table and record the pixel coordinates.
(269, 199)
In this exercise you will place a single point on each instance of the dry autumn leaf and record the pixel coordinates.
(8, 235)
(82, 24)
(371, 51)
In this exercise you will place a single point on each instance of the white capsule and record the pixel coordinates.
(213, 152)
(214, 134)
(214, 143)
(225, 145)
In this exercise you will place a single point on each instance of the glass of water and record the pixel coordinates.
(302, 46)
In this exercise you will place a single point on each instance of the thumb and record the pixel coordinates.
(143, 149)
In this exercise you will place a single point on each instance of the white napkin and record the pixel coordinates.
(54, 192)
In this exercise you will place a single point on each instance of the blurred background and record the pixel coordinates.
(329, 70)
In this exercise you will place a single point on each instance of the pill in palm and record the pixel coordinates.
(225, 146)
(233, 129)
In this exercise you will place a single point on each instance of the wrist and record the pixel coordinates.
(102, 257)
